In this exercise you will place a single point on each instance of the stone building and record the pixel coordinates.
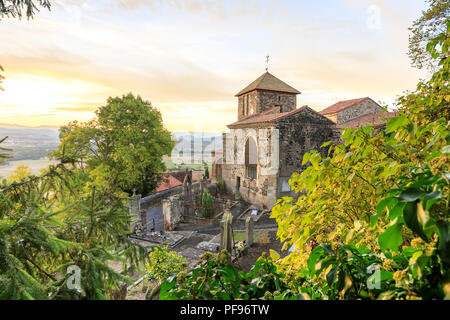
(267, 143)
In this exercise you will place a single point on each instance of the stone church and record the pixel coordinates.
(267, 142)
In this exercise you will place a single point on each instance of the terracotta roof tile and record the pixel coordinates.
(266, 117)
(378, 119)
(168, 182)
(268, 82)
(341, 105)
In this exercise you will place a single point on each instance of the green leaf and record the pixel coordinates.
(306, 158)
(314, 256)
(446, 149)
(331, 276)
(410, 215)
(326, 144)
(373, 220)
(391, 238)
(387, 295)
(395, 123)
(444, 241)
(431, 198)
(397, 210)
(411, 195)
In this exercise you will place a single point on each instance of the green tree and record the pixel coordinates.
(20, 173)
(207, 204)
(381, 191)
(432, 23)
(122, 147)
(206, 171)
(4, 156)
(56, 220)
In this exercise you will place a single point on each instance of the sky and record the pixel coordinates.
(190, 57)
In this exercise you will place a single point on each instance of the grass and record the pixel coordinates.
(261, 236)
(195, 166)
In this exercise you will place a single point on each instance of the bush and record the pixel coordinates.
(207, 209)
(221, 185)
(164, 263)
(217, 279)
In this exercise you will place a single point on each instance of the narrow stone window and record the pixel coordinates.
(251, 158)
(247, 96)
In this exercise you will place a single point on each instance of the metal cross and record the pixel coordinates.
(267, 63)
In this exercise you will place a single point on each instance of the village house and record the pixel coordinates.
(267, 142)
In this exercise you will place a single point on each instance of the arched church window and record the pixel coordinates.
(251, 158)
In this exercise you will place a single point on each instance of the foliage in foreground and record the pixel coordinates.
(343, 272)
(53, 221)
(383, 190)
(163, 263)
(217, 279)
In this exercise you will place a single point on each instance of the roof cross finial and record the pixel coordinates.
(267, 63)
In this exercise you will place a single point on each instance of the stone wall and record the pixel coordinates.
(364, 107)
(270, 99)
(262, 190)
(156, 198)
(172, 212)
(243, 107)
(262, 100)
(300, 133)
(134, 210)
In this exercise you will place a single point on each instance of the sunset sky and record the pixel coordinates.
(190, 57)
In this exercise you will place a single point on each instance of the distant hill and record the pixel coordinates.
(32, 143)
(196, 145)
(15, 125)
(29, 143)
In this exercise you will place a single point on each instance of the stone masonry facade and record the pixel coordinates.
(357, 110)
(259, 101)
(282, 134)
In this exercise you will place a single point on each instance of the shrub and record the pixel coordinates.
(207, 209)
(164, 263)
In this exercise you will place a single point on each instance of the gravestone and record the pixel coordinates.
(188, 195)
(249, 231)
(134, 209)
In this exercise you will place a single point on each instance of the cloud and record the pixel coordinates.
(190, 57)
(76, 108)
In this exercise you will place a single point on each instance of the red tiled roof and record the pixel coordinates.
(341, 105)
(268, 82)
(168, 182)
(179, 175)
(266, 117)
(377, 119)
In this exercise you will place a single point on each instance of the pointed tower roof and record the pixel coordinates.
(268, 82)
